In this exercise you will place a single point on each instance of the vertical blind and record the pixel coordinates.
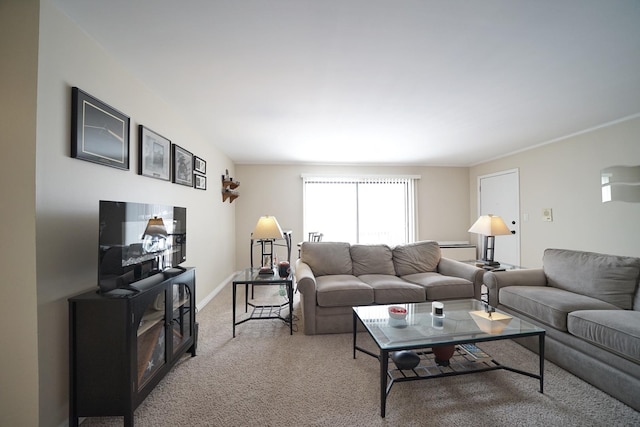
(366, 210)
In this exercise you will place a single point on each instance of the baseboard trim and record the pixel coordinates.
(207, 299)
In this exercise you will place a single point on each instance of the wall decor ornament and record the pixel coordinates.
(229, 188)
(155, 154)
(182, 166)
(99, 132)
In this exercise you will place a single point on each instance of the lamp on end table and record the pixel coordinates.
(490, 226)
(266, 231)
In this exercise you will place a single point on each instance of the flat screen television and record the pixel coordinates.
(138, 240)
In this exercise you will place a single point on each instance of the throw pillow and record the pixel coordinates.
(326, 257)
(609, 278)
(419, 257)
(372, 259)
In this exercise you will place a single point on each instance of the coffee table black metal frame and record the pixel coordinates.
(467, 336)
(251, 276)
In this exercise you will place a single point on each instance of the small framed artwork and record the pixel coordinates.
(155, 154)
(201, 182)
(199, 165)
(99, 132)
(182, 166)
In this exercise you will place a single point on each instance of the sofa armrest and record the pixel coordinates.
(306, 284)
(305, 280)
(494, 280)
(451, 267)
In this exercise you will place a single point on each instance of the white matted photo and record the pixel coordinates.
(199, 165)
(201, 182)
(182, 166)
(155, 154)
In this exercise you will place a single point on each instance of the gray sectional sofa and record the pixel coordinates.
(332, 277)
(589, 304)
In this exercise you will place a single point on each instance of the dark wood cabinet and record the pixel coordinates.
(122, 344)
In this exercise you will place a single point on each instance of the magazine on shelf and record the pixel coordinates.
(474, 351)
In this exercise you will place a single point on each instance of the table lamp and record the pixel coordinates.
(489, 226)
(267, 229)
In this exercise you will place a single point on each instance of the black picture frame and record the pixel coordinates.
(182, 166)
(99, 132)
(199, 165)
(200, 182)
(154, 154)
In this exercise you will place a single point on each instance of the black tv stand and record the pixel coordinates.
(121, 347)
(125, 292)
(174, 271)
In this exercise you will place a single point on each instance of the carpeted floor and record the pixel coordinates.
(265, 377)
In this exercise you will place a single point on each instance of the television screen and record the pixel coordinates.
(138, 240)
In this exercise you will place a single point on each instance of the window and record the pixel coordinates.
(365, 210)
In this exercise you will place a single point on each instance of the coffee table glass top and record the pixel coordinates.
(463, 321)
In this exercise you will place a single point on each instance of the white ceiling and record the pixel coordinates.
(448, 82)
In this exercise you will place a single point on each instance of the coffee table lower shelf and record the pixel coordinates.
(461, 363)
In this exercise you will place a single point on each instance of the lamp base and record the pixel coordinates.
(266, 271)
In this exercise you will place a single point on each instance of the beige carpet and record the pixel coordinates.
(265, 377)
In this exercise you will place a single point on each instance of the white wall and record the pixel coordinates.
(443, 200)
(18, 337)
(68, 191)
(565, 176)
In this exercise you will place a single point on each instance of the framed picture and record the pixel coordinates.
(199, 165)
(182, 166)
(201, 182)
(155, 154)
(99, 133)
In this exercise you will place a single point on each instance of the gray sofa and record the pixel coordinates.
(589, 304)
(332, 277)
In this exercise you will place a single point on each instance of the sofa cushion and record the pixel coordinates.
(609, 278)
(389, 289)
(417, 257)
(614, 330)
(327, 257)
(550, 306)
(372, 259)
(439, 286)
(342, 290)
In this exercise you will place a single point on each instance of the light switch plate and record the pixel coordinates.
(547, 214)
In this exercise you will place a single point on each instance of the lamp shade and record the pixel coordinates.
(155, 227)
(267, 228)
(490, 225)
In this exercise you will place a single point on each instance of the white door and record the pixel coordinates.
(499, 194)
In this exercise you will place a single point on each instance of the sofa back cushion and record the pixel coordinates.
(419, 257)
(326, 258)
(372, 259)
(609, 278)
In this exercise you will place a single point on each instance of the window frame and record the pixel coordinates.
(410, 194)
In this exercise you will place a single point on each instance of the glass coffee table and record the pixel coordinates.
(464, 323)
